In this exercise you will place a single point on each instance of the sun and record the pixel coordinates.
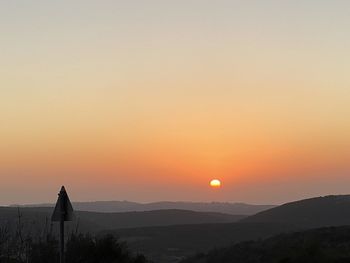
(215, 183)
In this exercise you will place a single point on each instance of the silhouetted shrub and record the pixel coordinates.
(105, 249)
(44, 251)
(79, 249)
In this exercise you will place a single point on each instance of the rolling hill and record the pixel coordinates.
(36, 218)
(155, 218)
(126, 206)
(308, 213)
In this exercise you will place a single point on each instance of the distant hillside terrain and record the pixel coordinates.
(126, 206)
(155, 218)
(172, 243)
(160, 243)
(325, 245)
(310, 213)
(37, 218)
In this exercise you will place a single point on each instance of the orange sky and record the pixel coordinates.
(124, 100)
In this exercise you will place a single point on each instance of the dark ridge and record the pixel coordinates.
(126, 206)
(94, 222)
(316, 212)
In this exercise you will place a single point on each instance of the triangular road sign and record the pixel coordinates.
(63, 209)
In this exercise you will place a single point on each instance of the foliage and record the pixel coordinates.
(18, 246)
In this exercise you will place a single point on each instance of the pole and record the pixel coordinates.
(62, 240)
(62, 227)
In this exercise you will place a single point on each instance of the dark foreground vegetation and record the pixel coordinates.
(80, 248)
(325, 245)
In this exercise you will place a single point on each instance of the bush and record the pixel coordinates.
(79, 249)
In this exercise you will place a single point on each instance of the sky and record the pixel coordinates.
(150, 100)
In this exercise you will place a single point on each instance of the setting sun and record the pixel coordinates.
(215, 183)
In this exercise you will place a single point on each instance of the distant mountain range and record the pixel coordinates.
(126, 206)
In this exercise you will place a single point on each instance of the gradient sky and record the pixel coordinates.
(149, 100)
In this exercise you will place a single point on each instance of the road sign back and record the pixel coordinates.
(63, 209)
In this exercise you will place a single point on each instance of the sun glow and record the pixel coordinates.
(215, 183)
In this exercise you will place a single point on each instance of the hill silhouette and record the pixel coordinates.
(319, 245)
(126, 206)
(155, 218)
(309, 213)
(35, 218)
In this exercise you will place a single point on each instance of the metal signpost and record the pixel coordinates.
(63, 212)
